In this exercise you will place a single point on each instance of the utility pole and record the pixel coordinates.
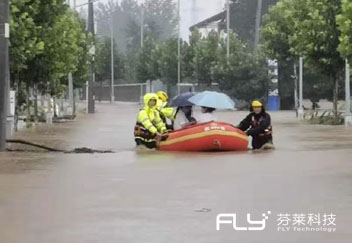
(70, 91)
(70, 80)
(112, 57)
(179, 50)
(348, 116)
(142, 26)
(295, 86)
(257, 24)
(4, 71)
(228, 28)
(90, 101)
(300, 109)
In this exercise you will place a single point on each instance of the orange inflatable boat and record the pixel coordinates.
(211, 136)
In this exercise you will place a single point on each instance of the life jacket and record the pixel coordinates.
(142, 133)
(256, 123)
(148, 121)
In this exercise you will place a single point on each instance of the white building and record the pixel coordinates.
(214, 23)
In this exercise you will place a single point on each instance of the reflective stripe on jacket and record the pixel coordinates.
(165, 112)
(151, 121)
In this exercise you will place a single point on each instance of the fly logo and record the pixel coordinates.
(253, 225)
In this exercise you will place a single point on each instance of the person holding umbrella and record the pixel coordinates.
(184, 117)
(209, 101)
(258, 125)
(184, 112)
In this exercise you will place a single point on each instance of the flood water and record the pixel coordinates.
(163, 197)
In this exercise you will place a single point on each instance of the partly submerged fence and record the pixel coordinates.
(135, 92)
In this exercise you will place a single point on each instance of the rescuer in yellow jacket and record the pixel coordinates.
(164, 111)
(149, 124)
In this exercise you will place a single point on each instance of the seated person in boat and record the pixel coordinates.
(164, 111)
(207, 115)
(258, 125)
(149, 125)
(184, 117)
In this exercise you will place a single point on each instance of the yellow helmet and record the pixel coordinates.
(162, 95)
(256, 103)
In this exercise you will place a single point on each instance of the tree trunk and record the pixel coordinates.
(74, 104)
(100, 90)
(28, 103)
(35, 104)
(54, 99)
(17, 88)
(335, 94)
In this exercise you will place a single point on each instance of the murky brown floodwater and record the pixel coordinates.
(171, 197)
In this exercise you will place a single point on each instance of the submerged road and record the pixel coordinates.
(158, 197)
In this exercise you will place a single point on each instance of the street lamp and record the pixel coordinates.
(300, 109)
(257, 24)
(142, 25)
(112, 56)
(348, 116)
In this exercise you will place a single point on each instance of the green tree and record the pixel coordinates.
(307, 28)
(243, 18)
(205, 57)
(103, 60)
(64, 44)
(344, 21)
(80, 76)
(277, 28)
(25, 42)
(166, 57)
(48, 40)
(160, 18)
(243, 75)
(160, 21)
(189, 67)
(316, 38)
(146, 65)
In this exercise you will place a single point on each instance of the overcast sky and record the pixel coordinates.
(192, 11)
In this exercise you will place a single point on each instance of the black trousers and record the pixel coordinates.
(258, 141)
(148, 144)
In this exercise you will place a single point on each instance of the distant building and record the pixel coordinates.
(242, 19)
(214, 23)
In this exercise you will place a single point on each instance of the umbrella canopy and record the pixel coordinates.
(213, 99)
(182, 100)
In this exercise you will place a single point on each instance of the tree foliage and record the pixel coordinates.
(344, 21)
(103, 60)
(307, 28)
(146, 65)
(243, 75)
(47, 41)
(160, 21)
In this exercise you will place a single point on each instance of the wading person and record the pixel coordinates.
(258, 125)
(149, 125)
